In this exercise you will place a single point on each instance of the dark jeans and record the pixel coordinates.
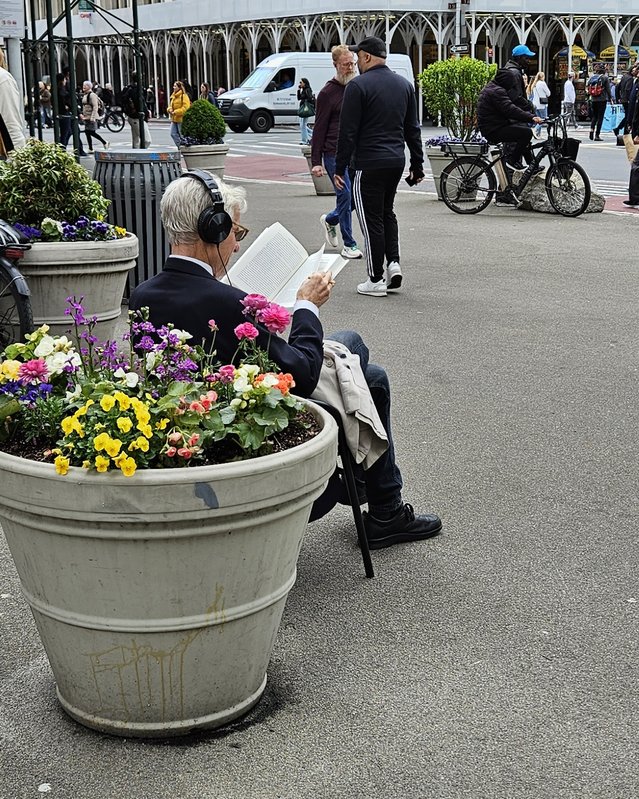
(342, 212)
(597, 112)
(383, 480)
(518, 136)
(65, 130)
(374, 194)
(633, 183)
(623, 125)
(92, 134)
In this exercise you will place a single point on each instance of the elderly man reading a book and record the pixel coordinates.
(202, 219)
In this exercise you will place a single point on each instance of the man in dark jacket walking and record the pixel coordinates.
(598, 88)
(323, 145)
(623, 96)
(378, 119)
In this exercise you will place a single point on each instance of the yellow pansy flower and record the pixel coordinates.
(145, 429)
(101, 463)
(124, 424)
(9, 370)
(107, 402)
(101, 440)
(142, 443)
(67, 424)
(128, 467)
(161, 425)
(123, 401)
(118, 460)
(86, 464)
(61, 464)
(113, 447)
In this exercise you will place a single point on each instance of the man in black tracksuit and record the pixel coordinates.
(378, 119)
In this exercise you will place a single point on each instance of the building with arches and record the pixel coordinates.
(221, 42)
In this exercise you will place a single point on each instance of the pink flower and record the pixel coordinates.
(246, 330)
(35, 369)
(253, 303)
(170, 453)
(227, 373)
(185, 453)
(197, 407)
(174, 438)
(274, 317)
(213, 326)
(194, 439)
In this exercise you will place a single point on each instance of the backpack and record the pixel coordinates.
(101, 108)
(595, 85)
(128, 101)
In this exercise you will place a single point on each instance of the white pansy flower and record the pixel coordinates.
(71, 396)
(181, 334)
(56, 362)
(45, 347)
(152, 359)
(270, 380)
(130, 378)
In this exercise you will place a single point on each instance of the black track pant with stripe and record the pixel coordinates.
(374, 194)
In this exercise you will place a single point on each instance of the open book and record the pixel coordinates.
(276, 264)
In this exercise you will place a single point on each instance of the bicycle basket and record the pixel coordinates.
(568, 147)
(465, 148)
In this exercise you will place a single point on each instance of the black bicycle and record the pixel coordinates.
(469, 183)
(113, 119)
(16, 319)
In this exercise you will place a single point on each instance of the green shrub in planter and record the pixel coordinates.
(43, 181)
(202, 124)
(451, 88)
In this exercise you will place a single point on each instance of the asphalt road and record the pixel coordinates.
(498, 661)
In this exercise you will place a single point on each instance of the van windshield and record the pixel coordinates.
(257, 78)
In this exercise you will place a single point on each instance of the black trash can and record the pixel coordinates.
(134, 181)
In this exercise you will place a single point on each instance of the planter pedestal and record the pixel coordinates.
(323, 185)
(211, 157)
(158, 597)
(95, 270)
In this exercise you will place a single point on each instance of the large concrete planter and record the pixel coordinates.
(158, 597)
(95, 270)
(211, 157)
(438, 162)
(323, 185)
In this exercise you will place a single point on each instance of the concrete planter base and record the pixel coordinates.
(210, 157)
(323, 185)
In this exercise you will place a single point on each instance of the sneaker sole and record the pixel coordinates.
(401, 538)
(394, 283)
(372, 293)
(351, 257)
(326, 236)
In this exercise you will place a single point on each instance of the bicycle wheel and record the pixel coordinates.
(114, 121)
(467, 186)
(16, 319)
(568, 188)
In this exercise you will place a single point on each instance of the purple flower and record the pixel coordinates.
(146, 343)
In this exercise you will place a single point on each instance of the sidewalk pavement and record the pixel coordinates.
(496, 661)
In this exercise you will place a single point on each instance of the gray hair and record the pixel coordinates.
(87, 84)
(183, 201)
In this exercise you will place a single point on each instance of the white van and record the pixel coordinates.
(268, 96)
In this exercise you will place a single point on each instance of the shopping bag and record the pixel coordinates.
(631, 147)
(306, 109)
(613, 116)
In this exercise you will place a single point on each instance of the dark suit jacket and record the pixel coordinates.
(187, 296)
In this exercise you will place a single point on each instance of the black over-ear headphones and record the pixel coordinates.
(213, 224)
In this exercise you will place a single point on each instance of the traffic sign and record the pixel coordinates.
(460, 48)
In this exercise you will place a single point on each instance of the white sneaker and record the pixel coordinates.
(373, 289)
(393, 276)
(330, 232)
(352, 252)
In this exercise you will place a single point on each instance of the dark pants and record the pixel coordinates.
(383, 480)
(374, 194)
(633, 183)
(597, 112)
(65, 130)
(623, 125)
(91, 134)
(518, 136)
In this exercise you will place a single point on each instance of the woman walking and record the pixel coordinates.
(207, 94)
(306, 99)
(90, 115)
(178, 104)
(539, 93)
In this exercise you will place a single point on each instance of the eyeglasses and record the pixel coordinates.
(240, 231)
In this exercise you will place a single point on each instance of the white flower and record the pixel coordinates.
(181, 334)
(235, 403)
(45, 347)
(56, 362)
(130, 378)
(270, 380)
(152, 360)
(71, 396)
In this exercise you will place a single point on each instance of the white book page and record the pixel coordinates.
(317, 262)
(268, 264)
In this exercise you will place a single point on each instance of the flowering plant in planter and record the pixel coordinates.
(46, 195)
(160, 403)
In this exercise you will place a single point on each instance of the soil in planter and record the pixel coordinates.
(301, 429)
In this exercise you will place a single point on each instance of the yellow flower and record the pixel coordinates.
(113, 446)
(9, 370)
(128, 467)
(145, 429)
(81, 411)
(143, 416)
(101, 440)
(120, 232)
(123, 401)
(61, 464)
(161, 425)
(118, 460)
(124, 424)
(67, 424)
(101, 463)
(107, 402)
(142, 443)
(86, 464)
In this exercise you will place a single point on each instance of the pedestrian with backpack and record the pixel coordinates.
(623, 96)
(131, 106)
(90, 109)
(598, 88)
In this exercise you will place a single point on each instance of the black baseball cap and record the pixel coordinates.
(371, 45)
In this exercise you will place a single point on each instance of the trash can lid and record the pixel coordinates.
(138, 156)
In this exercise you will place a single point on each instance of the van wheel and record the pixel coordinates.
(238, 127)
(261, 122)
